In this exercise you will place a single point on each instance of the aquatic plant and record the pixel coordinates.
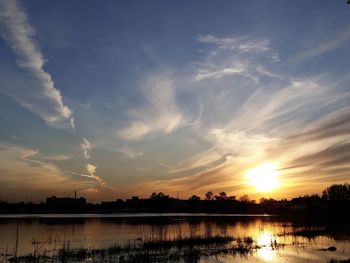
(189, 249)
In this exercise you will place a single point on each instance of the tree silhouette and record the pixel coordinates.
(264, 200)
(194, 197)
(153, 195)
(337, 192)
(232, 197)
(209, 196)
(160, 195)
(221, 196)
(244, 199)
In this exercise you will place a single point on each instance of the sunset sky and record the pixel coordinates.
(122, 98)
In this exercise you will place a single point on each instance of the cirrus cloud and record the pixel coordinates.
(47, 101)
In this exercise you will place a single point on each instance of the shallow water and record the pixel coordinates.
(23, 234)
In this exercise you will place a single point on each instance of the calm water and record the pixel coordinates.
(48, 233)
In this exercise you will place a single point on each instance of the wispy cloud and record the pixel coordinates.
(134, 131)
(217, 178)
(91, 169)
(72, 123)
(43, 99)
(216, 73)
(241, 56)
(56, 157)
(18, 32)
(85, 146)
(130, 153)
(201, 161)
(242, 44)
(301, 124)
(241, 144)
(91, 173)
(263, 109)
(29, 177)
(329, 43)
(160, 113)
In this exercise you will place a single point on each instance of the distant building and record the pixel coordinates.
(65, 202)
(135, 198)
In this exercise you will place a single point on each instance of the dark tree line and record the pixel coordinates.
(337, 192)
(221, 196)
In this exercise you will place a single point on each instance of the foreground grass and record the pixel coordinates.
(336, 232)
(181, 249)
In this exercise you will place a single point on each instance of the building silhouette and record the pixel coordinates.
(65, 203)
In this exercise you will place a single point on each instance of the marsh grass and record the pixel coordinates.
(336, 232)
(157, 247)
(182, 249)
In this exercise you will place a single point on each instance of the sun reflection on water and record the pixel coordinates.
(265, 241)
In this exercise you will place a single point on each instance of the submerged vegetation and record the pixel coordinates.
(163, 238)
(167, 242)
(336, 232)
(189, 249)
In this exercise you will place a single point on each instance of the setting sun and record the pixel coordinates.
(264, 177)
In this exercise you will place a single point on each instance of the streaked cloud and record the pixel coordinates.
(241, 44)
(242, 56)
(130, 153)
(177, 110)
(91, 169)
(203, 161)
(283, 122)
(329, 43)
(134, 131)
(28, 177)
(218, 73)
(59, 157)
(91, 173)
(160, 112)
(85, 146)
(241, 144)
(47, 101)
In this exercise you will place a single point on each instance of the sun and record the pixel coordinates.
(264, 177)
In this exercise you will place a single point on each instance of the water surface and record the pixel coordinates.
(278, 239)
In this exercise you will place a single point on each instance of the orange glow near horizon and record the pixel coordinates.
(264, 177)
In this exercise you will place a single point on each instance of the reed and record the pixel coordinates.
(189, 249)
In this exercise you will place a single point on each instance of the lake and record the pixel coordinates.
(254, 238)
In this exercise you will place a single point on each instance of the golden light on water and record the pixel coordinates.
(264, 177)
(266, 252)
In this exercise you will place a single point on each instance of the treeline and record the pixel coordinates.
(333, 202)
(334, 193)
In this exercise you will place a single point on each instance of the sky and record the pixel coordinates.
(122, 98)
